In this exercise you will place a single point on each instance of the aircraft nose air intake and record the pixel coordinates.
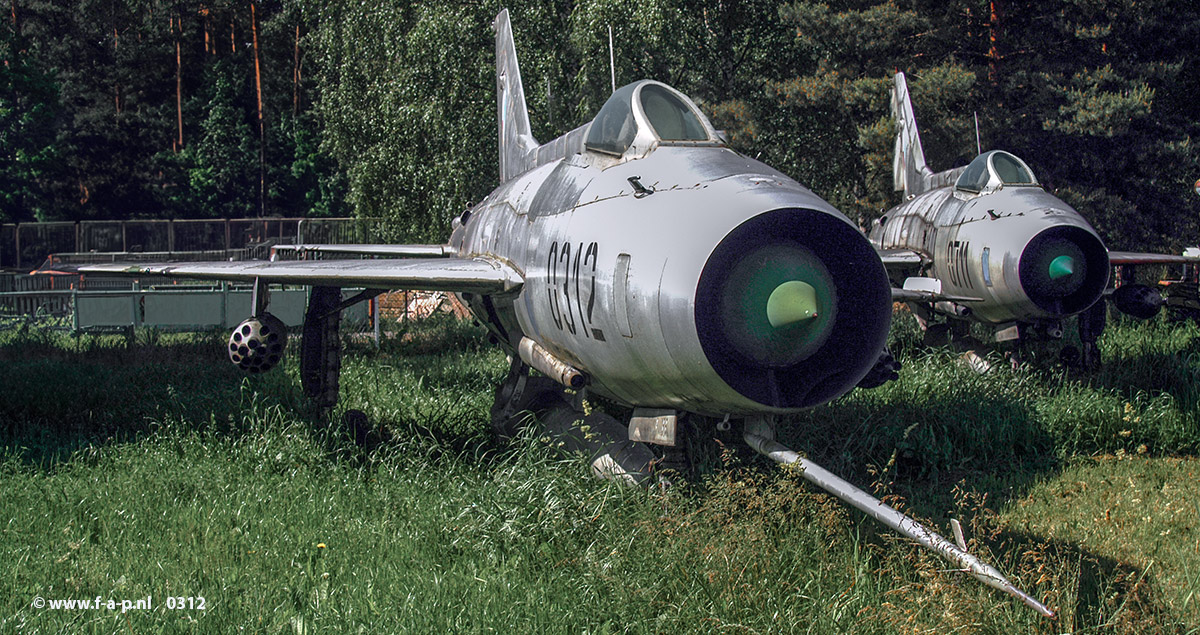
(1064, 270)
(792, 307)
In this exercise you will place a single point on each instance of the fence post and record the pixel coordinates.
(136, 305)
(171, 235)
(375, 318)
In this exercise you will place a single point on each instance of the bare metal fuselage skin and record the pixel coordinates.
(975, 245)
(611, 276)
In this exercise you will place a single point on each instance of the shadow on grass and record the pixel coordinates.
(917, 439)
(915, 443)
(1090, 592)
(63, 392)
(1175, 374)
(1159, 356)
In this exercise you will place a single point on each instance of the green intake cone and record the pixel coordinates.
(1061, 267)
(791, 302)
(778, 305)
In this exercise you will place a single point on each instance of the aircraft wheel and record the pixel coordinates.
(937, 335)
(1070, 357)
(321, 347)
(357, 425)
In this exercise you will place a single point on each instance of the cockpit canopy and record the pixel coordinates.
(646, 114)
(992, 170)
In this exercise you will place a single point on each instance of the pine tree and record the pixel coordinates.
(28, 111)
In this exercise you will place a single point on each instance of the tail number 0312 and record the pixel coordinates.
(571, 287)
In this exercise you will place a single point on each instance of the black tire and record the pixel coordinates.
(321, 348)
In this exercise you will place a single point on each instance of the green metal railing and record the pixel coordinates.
(26, 245)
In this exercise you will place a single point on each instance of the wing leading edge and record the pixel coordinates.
(1136, 258)
(399, 251)
(477, 275)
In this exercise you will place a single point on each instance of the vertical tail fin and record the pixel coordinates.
(516, 138)
(909, 172)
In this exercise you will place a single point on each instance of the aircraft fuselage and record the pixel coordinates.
(990, 247)
(613, 276)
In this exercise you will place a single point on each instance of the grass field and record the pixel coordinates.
(159, 471)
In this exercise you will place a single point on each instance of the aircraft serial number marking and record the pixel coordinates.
(569, 279)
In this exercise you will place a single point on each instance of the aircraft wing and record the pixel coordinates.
(1136, 258)
(405, 251)
(923, 295)
(919, 289)
(899, 258)
(469, 275)
(916, 289)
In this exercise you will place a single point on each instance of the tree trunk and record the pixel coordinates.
(296, 75)
(993, 40)
(177, 27)
(117, 89)
(262, 133)
(209, 47)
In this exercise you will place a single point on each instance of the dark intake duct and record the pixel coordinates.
(793, 308)
(1064, 270)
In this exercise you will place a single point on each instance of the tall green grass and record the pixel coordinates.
(158, 470)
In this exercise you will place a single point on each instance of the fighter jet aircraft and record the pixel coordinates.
(636, 258)
(986, 243)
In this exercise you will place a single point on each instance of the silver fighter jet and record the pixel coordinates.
(986, 243)
(635, 258)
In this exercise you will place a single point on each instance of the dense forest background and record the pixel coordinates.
(120, 109)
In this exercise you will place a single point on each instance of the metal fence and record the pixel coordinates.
(26, 245)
